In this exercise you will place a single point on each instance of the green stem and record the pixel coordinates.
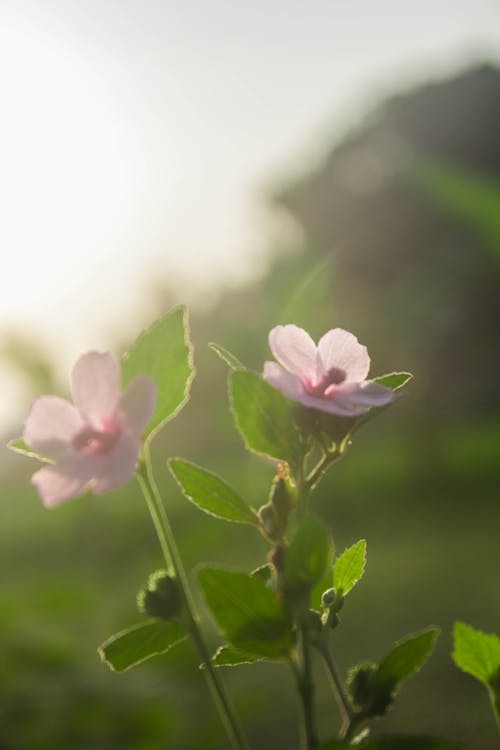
(495, 704)
(306, 687)
(173, 560)
(346, 712)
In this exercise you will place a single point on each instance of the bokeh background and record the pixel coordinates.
(328, 164)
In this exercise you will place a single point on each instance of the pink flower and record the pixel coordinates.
(330, 377)
(94, 443)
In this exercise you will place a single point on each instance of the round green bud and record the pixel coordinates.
(329, 598)
(161, 597)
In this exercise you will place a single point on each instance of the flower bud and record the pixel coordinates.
(161, 597)
(329, 598)
(268, 521)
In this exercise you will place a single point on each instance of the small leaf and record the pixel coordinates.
(140, 642)
(406, 658)
(233, 362)
(394, 380)
(477, 653)
(19, 446)
(250, 615)
(264, 417)
(228, 656)
(349, 567)
(307, 558)
(163, 352)
(210, 493)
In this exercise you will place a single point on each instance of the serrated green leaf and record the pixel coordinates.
(210, 493)
(140, 642)
(250, 615)
(163, 352)
(307, 557)
(406, 658)
(233, 362)
(349, 567)
(264, 417)
(228, 656)
(396, 742)
(394, 380)
(19, 446)
(477, 653)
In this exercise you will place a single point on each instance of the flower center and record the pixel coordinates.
(97, 442)
(334, 376)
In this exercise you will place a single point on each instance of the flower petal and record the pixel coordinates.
(51, 425)
(367, 393)
(117, 466)
(137, 403)
(295, 351)
(95, 385)
(333, 406)
(341, 349)
(55, 485)
(289, 385)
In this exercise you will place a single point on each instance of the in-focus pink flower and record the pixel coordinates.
(95, 442)
(330, 377)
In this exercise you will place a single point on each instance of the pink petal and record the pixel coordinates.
(137, 403)
(333, 406)
(95, 385)
(56, 485)
(367, 393)
(289, 385)
(118, 466)
(295, 351)
(341, 349)
(51, 425)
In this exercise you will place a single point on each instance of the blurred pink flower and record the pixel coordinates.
(330, 377)
(94, 443)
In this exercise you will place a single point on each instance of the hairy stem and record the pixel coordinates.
(173, 561)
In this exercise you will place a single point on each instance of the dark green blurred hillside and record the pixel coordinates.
(401, 248)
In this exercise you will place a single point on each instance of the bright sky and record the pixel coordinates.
(136, 137)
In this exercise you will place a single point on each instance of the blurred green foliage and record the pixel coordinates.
(419, 284)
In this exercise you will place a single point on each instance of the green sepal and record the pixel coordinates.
(18, 445)
(308, 556)
(394, 380)
(163, 352)
(210, 493)
(264, 418)
(132, 646)
(251, 615)
(230, 360)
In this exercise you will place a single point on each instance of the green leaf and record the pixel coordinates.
(19, 446)
(399, 742)
(163, 352)
(250, 615)
(210, 493)
(233, 362)
(264, 572)
(394, 380)
(264, 417)
(349, 567)
(228, 656)
(406, 658)
(477, 653)
(140, 642)
(307, 558)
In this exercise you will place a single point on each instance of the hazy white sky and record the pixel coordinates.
(138, 135)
